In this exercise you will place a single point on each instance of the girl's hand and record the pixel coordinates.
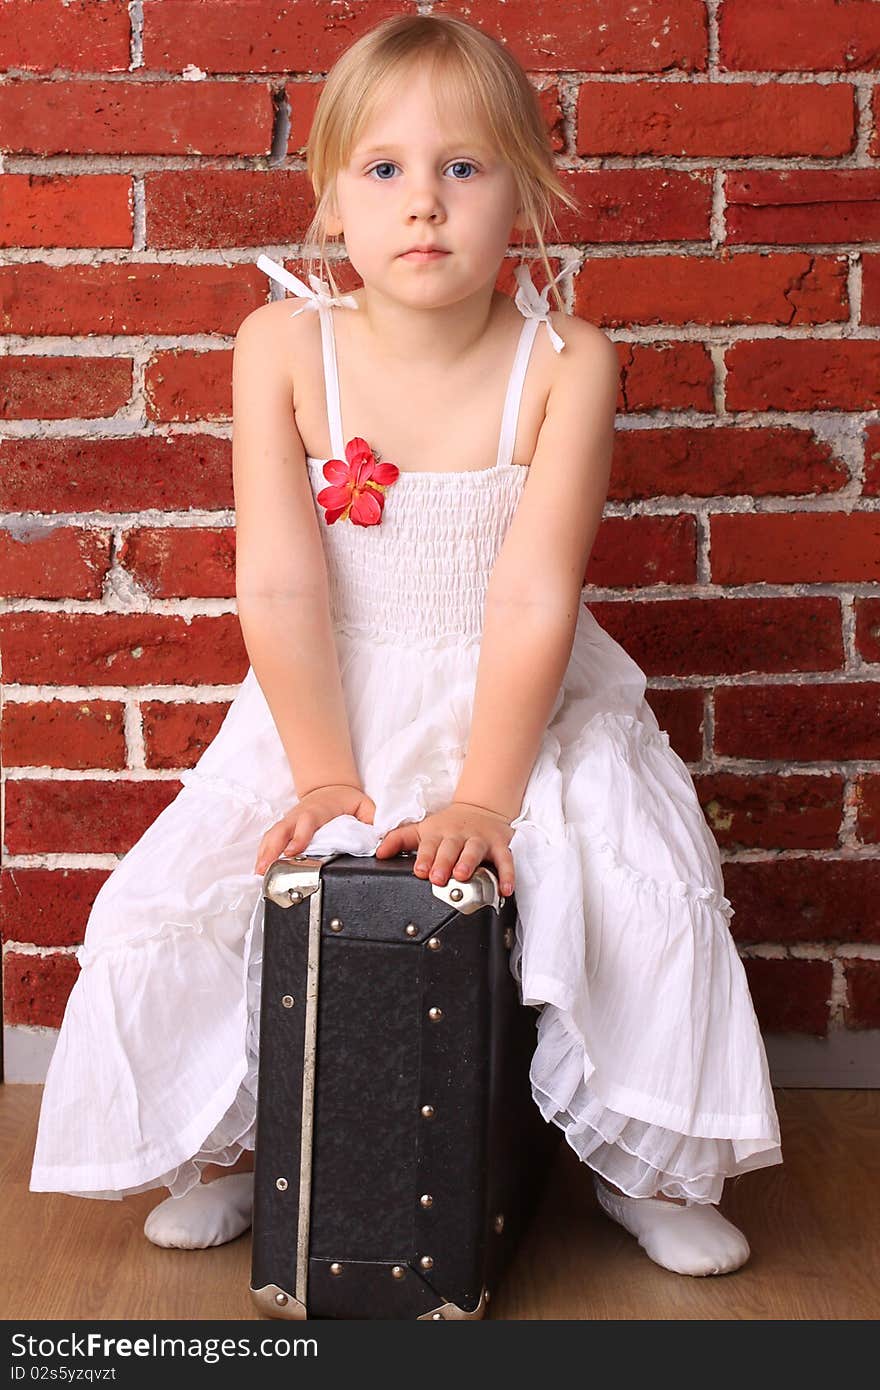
(455, 841)
(293, 832)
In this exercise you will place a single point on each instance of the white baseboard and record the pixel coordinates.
(845, 1059)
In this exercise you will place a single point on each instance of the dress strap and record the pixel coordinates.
(535, 311)
(316, 293)
(319, 297)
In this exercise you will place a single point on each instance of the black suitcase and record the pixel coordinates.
(399, 1153)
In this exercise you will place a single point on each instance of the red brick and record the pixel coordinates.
(308, 38)
(176, 734)
(722, 636)
(636, 205)
(134, 297)
(63, 388)
(803, 374)
(799, 723)
(88, 36)
(255, 36)
(48, 907)
(867, 799)
(871, 280)
(800, 206)
(550, 104)
(181, 562)
(122, 649)
(863, 993)
(717, 461)
(63, 733)
(184, 385)
(243, 207)
(665, 376)
(66, 210)
(790, 996)
(867, 615)
(593, 36)
(799, 35)
(680, 713)
(795, 547)
(770, 811)
(707, 119)
(630, 552)
(168, 472)
(804, 899)
(40, 561)
(785, 288)
(81, 817)
(53, 116)
(36, 988)
(872, 461)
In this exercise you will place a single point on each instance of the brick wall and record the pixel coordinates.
(727, 157)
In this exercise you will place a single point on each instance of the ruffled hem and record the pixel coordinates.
(659, 1078)
(640, 1158)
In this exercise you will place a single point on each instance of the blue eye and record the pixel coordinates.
(389, 164)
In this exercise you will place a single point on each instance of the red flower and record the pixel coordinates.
(357, 491)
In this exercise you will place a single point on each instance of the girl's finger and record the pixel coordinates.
(447, 853)
(427, 848)
(474, 851)
(506, 874)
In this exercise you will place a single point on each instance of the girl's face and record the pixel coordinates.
(415, 180)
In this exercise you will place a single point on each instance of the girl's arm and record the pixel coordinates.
(534, 594)
(281, 584)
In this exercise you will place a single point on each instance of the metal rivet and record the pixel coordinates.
(287, 1001)
(508, 937)
(426, 1262)
(456, 894)
(397, 1271)
(428, 1112)
(434, 944)
(411, 929)
(335, 1268)
(499, 1222)
(281, 1184)
(426, 1200)
(335, 924)
(437, 1317)
(281, 1299)
(295, 895)
(435, 1014)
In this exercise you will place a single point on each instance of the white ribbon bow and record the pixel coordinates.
(534, 305)
(316, 296)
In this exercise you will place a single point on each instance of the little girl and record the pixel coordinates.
(425, 676)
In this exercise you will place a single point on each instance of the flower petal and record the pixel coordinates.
(356, 450)
(366, 509)
(385, 474)
(335, 471)
(338, 495)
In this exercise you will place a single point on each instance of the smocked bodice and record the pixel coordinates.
(421, 576)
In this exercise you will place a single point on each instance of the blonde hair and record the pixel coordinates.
(475, 76)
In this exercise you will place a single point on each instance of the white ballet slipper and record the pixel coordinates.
(694, 1239)
(211, 1213)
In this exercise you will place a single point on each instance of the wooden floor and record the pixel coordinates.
(813, 1224)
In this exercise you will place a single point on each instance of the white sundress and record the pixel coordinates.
(648, 1052)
